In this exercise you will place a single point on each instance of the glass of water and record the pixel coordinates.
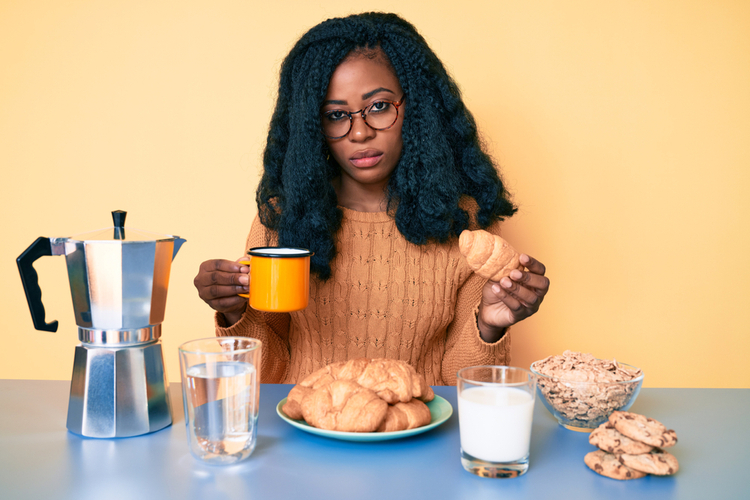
(220, 392)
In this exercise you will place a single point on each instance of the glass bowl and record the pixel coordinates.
(583, 406)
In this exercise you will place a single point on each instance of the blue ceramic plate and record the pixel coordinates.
(440, 409)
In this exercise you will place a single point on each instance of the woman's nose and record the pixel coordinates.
(360, 131)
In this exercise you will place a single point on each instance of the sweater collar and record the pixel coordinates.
(353, 215)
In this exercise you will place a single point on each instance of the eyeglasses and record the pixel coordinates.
(380, 115)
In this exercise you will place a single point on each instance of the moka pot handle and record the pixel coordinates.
(40, 248)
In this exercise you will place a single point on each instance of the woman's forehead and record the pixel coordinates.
(362, 72)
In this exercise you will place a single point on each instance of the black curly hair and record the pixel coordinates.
(296, 197)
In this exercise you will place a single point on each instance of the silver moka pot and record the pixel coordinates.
(118, 280)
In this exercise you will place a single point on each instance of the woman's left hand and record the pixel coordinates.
(512, 299)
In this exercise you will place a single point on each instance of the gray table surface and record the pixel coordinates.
(40, 459)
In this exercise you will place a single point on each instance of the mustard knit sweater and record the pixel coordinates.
(386, 298)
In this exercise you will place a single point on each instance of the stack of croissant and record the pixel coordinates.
(362, 395)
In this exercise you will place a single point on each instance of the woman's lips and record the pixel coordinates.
(367, 158)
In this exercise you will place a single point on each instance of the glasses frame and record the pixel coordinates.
(363, 113)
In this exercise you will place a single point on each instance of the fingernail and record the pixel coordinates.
(506, 283)
(244, 280)
(496, 288)
(516, 274)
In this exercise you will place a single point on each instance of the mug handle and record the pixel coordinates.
(30, 279)
(245, 263)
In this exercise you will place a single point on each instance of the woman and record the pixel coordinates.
(374, 163)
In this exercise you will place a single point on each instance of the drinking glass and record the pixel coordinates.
(495, 410)
(220, 392)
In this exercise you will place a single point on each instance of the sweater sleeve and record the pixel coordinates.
(272, 329)
(464, 345)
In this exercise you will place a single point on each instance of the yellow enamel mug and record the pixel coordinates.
(279, 278)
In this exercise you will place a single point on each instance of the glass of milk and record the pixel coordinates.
(495, 410)
(220, 392)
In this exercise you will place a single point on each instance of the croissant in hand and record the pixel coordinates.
(488, 255)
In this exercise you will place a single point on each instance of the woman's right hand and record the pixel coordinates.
(218, 282)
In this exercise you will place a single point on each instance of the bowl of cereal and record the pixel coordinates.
(581, 391)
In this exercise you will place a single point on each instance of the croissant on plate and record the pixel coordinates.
(344, 406)
(403, 416)
(488, 255)
(362, 395)
(393, 380)
(293, 405)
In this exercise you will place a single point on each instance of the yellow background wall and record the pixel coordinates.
(623, 129)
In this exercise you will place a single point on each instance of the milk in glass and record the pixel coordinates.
(495, 423)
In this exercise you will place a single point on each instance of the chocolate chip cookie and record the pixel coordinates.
(657, 461)
(608, 465)
(607, 438)
(643, 429)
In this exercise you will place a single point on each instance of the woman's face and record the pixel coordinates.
(366, 156)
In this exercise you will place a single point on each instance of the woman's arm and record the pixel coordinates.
(272, 329)
(464, 343)
(482, 337)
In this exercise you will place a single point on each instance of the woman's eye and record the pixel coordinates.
(336, 115)
(380, 107)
